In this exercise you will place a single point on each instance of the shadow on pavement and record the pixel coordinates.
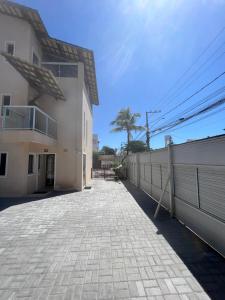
(6, 202)
(206, 265)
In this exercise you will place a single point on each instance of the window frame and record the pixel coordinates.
(33, 166)
(14, 48)
(6, 163)
(39, 163)
(84, 126)
(37, 55)
(86, 137)
(10, 102)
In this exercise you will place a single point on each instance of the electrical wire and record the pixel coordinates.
(194, 63)
(188, 84)
(178, 122)
(193, 76)
(194, 94)
(195, 121)
(199, 103)
(188, 110)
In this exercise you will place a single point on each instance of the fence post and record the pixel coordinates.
(171, 181)
(34, 116)
(138, 169)
(150, 169)
(197, 187)
(46, 129)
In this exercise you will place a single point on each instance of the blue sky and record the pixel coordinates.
(141, 48)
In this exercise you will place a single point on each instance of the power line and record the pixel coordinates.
(193, 77)
(199, 103)
(194, 63)
(194, 94)
(179, 121)
(195, 121)
(136, 137)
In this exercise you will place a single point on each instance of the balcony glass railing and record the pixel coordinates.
(62, 70)
(27, 118)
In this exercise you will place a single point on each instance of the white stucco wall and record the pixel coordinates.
(11, 82)
(87, 133)
(71, 143)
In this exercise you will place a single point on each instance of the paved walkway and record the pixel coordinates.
(100, 244)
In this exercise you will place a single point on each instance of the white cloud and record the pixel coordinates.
(118, 57)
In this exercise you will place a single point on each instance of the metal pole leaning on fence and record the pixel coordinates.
(161, 197)
(171, 182)
(138, 167)
(171, 185)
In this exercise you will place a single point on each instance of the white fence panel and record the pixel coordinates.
(198, 184)
(185, 184)
(212, 191)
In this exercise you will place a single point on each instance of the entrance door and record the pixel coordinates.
(50, 169)
(84, 169)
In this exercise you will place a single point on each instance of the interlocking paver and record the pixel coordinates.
(96, 244)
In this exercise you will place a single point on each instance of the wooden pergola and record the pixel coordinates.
(39, 78)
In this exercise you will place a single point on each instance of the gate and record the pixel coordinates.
(103, 174)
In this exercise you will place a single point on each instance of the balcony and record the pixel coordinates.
(62, 70)
(27, 118)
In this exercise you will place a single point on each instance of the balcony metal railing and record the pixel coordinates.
(62, 70)
(27, 118)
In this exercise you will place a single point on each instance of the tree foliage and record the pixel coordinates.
(126, 121)
(136, 146)
(108, 150)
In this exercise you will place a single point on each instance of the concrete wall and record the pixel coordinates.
(87, 133)
(22, 34)
(17, 162)
(71, 142)
(11, 82)
(198, 184)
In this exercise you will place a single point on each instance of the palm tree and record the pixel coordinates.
(125, 121)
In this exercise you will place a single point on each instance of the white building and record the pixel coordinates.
(47, 90)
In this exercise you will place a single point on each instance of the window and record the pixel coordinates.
(35, 59)
(86, 131)
(84, 125)
(3, 160)
(6, 99)
(10, 48)
(31, 164)
(62, 70)
(68, 71)
(39, 162)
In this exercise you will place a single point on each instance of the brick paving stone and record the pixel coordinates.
(97, 244)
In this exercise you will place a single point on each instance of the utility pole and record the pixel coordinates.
(147, 126)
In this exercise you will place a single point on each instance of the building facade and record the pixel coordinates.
(47, 90)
